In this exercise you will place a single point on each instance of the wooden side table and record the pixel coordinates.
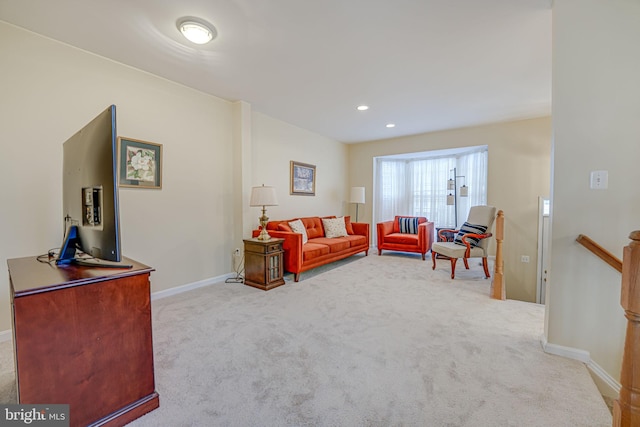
(263, 263)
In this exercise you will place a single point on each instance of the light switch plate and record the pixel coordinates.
(599, 180)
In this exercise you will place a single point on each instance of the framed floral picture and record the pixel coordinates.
(303, 179)
(139, 163)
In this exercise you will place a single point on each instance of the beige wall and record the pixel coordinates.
(49, 91)
(275, 144)
(519, 171)
(596, 107)
(214, 151)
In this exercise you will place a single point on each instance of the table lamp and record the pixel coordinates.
(263, 196)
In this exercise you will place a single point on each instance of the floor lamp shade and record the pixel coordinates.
(357, 195)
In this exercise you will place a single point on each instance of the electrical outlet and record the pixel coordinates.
(524, 258)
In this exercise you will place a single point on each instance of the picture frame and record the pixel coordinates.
(303, 179)
(139, 163)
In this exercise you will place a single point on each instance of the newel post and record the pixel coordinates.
(626, 409)
(497, 285)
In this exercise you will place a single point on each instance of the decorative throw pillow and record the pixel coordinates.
(408, 225)
(334, 227)
(469, 228)
(298, 227)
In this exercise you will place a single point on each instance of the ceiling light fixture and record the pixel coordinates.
(196, 30)
(391, 125)
(362, 107)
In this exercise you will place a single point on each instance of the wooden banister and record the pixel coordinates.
(497, 285)
(626, 409)
(600, 252)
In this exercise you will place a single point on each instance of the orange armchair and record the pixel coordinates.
(401, 235)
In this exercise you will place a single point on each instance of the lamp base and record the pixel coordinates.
(263, 235)
(263, 225)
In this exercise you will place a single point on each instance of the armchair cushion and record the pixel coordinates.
(408, 225)
(469, 228)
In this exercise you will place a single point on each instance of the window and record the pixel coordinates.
(416, 184)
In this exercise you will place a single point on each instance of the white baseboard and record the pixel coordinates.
(607, 385)
(8, 336)
(568, 352)
(190, 286)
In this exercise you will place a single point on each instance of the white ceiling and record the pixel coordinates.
(424, 65)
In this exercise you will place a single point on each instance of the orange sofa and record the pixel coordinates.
(318, 250)
(390, 236)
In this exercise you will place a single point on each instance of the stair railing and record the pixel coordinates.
(626, 409)
(497, 284)
(600, 252)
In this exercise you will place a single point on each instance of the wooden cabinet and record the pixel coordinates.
(82, 336)
(263, 263)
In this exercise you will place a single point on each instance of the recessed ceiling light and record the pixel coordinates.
(391, 125)
(362, 107)
(196, 30)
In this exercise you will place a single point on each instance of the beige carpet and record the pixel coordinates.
(378, 341)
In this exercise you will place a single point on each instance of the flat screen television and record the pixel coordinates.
(90, 195)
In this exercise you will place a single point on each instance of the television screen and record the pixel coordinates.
(90, 192)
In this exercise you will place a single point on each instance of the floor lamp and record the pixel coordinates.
(452, 198)
(357, 197)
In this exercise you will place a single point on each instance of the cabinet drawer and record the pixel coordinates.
(263, 247)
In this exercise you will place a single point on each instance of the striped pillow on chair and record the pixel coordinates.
(408, 225)
(469, 228)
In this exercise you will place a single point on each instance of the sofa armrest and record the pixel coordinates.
(292, 247)
(426, 235)
(362, 229)
(383, 229)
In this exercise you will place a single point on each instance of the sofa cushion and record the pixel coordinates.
(402, 239)
(356, 240)
(469, 228)
(298, 227)
(408, 225)
(313, 225)
(284, 227)
(334, 227)
(335, 244)
(348, 226)
(314, 250)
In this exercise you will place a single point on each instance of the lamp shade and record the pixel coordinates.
(357, 195)
(263, 196)
(451, 200)
(464, 191)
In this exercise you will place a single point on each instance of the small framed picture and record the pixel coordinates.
(139, 163)
(303, 179)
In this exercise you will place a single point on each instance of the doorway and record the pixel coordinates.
(543, 249)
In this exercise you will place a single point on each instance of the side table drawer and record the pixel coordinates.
(263, 248)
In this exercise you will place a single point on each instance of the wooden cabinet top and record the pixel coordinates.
(30, 276)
